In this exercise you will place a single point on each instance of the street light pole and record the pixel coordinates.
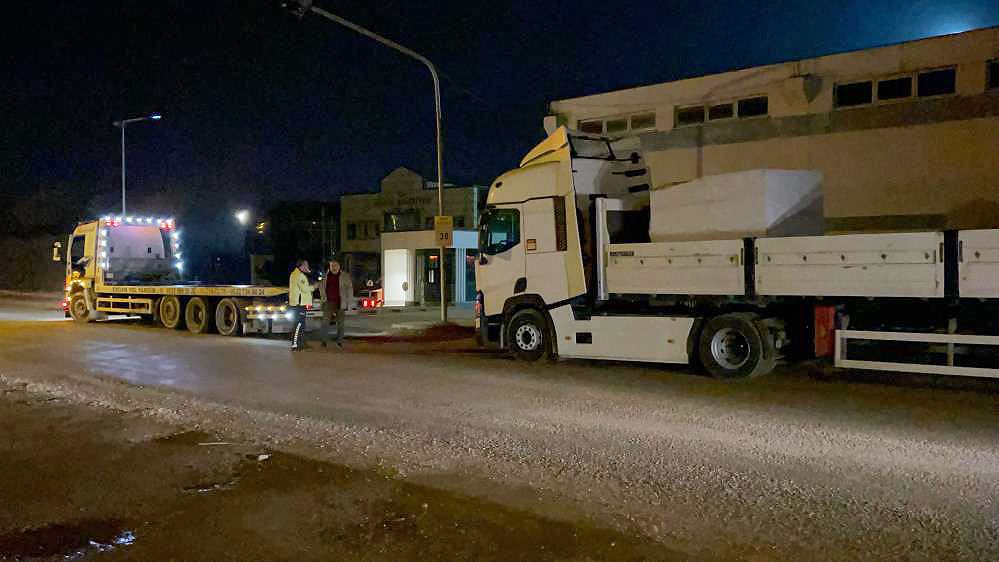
(121, 124)
(123, 212)
(306, 5)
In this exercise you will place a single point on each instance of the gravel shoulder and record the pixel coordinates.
(86, 480)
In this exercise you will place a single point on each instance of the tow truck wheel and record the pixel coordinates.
(733, 346)
(78, 308)
(528, 337)
(196, 316)
(227, 318)
(170, 309)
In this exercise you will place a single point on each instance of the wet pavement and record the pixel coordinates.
(788, 467)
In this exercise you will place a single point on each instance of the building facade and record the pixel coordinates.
(402, 212)
(904, 135)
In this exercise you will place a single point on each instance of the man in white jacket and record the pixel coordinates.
(299, 300)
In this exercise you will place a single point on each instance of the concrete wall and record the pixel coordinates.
(931, 160)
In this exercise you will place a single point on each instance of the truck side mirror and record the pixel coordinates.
(483, 260)
(634, 158)
(55, 251)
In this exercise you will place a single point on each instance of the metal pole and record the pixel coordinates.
(437, 108)
(123, 168)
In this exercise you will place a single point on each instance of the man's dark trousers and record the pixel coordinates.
(298, 334)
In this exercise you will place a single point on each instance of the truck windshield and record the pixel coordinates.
(499, 231)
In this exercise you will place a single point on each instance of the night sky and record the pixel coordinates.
(259, 107)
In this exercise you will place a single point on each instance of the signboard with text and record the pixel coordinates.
(443, 229)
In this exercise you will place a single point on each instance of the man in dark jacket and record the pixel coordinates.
(337, 296)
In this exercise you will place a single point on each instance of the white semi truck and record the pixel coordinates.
(134, 265)
(580, 258)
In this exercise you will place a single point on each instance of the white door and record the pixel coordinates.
(501, 256)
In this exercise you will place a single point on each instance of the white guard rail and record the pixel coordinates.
(843, 337)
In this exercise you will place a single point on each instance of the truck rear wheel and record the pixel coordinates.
(228, 320)
(528, 337)
(78, 308)
(197, 316)
(733, 346)
(170, 312)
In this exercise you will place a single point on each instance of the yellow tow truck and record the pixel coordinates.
(134, 266)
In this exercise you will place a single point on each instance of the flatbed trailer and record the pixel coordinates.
(133, 266)
(567, 270)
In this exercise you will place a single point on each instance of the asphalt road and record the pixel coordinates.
(789, 467)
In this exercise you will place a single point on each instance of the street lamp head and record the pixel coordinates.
(298, 8)
(242, 216)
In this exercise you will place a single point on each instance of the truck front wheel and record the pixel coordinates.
(78, 308)
(528, 337)
(170, 312)
(733, 346)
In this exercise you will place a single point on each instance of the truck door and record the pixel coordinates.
(81, 251)
(501, 262)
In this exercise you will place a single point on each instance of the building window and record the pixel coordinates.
(400, 221)
(895, 88)
(351, 231)
(754, 107)
(937, 82)
(689, 115)
(856, 93)
(993, 78)
(643, 121)
(721, 111)
(617, 125)
(429, 225)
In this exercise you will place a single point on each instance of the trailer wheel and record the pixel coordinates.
(197, 316)
(78, 308)
(170, 312)
(228, 320)
(732, 346)
(528, 337)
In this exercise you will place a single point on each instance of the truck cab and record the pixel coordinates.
(116, 250)
(537, 237)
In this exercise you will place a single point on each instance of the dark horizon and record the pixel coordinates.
(260, 108)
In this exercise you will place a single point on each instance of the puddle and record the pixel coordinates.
(72, 540)
(212, 486)
(187, 438)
